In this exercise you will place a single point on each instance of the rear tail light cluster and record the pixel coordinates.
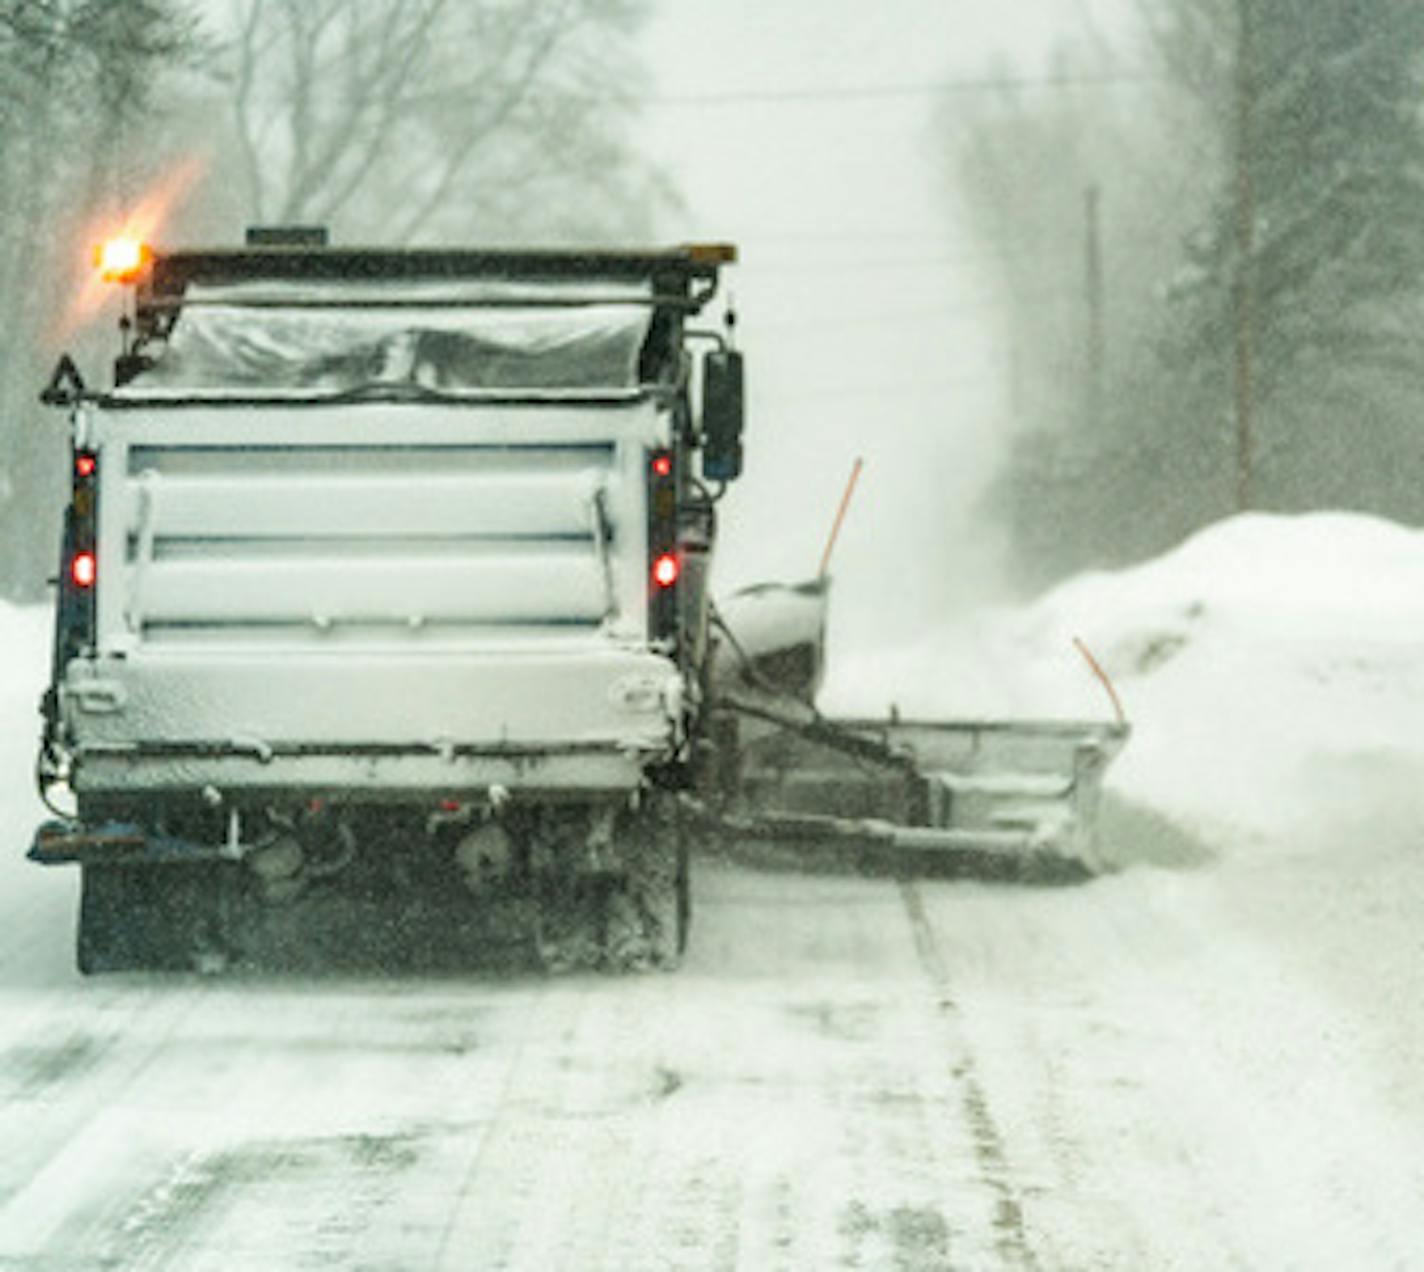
(664, 564)
(79, 572)
(83, 561)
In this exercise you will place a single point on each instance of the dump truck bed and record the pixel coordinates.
(394, 595)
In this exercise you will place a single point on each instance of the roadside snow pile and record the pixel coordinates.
(1272, 668)
(24, 656)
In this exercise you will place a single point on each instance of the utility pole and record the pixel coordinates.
(1244, 283)
(1093, 281)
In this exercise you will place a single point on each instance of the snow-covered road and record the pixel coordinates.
(1213, 1058)
(847, 1073)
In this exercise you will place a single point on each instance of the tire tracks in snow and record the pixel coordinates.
(48, 1127)
(447, 1253)
(527, 1198)
(1011, 1237)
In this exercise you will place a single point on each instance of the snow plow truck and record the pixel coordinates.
(386, 571)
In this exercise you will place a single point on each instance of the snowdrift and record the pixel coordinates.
(24, 667)
(1272, 668)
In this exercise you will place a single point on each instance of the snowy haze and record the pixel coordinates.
(804, 133)
(1210, 1057)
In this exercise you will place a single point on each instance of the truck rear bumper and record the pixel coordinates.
(587, 715)
(580, 693)
(368, 772)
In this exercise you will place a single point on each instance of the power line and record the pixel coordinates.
(934, 233)
(890, 389)
(1047, 253)
(891, 319)
(947, 247)
(990, 304)
(834, 264)
(849, 92)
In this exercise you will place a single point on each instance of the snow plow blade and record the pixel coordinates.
(965, 796)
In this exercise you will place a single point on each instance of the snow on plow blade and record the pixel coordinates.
(1017, 795)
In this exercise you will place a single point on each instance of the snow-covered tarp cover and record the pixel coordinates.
(454, 336)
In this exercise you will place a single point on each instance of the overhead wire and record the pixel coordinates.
(919, 88)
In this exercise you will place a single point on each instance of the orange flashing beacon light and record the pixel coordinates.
(122, 260)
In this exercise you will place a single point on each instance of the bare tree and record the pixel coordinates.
(416, 119)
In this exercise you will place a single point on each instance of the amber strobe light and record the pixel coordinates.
(121, 260)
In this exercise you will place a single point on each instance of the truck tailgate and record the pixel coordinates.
(318, 579)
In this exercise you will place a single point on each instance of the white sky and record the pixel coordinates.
(866, 330)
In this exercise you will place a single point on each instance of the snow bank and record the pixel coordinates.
(24, 668)
(1272, 668)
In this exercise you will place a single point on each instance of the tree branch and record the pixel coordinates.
(242, 105)
(455, 162)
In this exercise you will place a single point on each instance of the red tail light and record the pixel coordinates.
(83, 569)
(666, 568)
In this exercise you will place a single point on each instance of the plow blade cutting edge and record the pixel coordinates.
(1021, 794)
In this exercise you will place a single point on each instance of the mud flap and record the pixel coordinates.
(153, 917)
(632, 918)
